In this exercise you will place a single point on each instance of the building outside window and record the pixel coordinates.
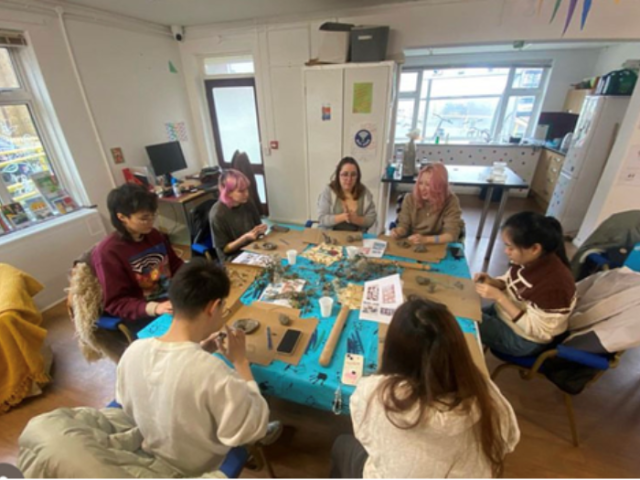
(470, 105)
(30, 190)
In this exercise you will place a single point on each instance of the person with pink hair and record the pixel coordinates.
(431, 213)
(235, 221)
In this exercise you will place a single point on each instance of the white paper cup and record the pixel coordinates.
(352, 251)
(326, 304)
(291, 256)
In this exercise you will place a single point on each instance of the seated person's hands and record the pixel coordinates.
(398, 232)
(342, 218)
(210, 344)
(485, 278)
(236, 348)
(253, 234)
(261, 229)
(416, 239)
(164, 307)
(481, 277)
(488, 291)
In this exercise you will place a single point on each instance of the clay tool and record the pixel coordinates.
(269, 342)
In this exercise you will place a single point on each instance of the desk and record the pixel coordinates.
(175, 213)
(474, 176)
(308, 383)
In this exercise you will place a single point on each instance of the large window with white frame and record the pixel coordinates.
(470, 104)
(30, 190)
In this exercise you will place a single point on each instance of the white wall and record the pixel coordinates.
(49, 254)
(568, 67)
(280, 48)
(612, 58)
(132, 91)
(124, 69)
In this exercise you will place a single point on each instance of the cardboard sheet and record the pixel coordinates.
(458, 294)
(316, 236)
(291, 240)
(268, 315)
(241, 276)
(434, 253)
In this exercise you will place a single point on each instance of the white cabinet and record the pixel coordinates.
(348, 112)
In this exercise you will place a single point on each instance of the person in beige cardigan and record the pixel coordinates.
(431, 213)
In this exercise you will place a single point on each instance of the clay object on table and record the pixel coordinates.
(420, 248)
(403, 244)
(279, 229)
(354, 238)
(423, 280)
(247, 325)
(284, 319)
(265, 246)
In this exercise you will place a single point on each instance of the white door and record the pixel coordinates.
(583, 136)
(323, 93)
(561, 197)
(366, 121)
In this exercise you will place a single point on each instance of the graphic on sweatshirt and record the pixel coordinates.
(152, 271)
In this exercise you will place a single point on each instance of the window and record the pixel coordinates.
(29, 189)
(467, 105)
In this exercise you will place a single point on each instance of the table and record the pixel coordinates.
(175, 213)
(308, 383)
(475, 176)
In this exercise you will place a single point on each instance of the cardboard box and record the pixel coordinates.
(334, 43)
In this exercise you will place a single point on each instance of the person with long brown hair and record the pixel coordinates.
(346, 204)
(429, 412)
(431, 213)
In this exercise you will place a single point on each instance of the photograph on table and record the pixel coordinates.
(323, 254)
(381, 299)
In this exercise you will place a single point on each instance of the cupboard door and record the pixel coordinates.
(540, 177)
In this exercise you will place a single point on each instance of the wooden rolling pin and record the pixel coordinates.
(400, 263)
(334, 336)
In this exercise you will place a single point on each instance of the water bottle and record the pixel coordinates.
(176, 187)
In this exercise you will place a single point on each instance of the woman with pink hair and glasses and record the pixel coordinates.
(235, 221)
(431, 214)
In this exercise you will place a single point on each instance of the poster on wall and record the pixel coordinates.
(364, 144)
(362, 97)
(176, 131)
(117, 155)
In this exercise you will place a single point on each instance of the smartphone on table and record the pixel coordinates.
(289, 341)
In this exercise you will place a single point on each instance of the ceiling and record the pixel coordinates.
(204, 12)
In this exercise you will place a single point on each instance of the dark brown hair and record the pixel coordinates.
(128, 199)
(358, 188)
(428, 365)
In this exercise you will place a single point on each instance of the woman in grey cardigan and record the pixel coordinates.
(346, 204)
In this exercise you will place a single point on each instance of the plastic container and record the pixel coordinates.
(292, 255)
(326, 305)
(175, 186)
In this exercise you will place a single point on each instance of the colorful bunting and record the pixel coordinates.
(586, 8)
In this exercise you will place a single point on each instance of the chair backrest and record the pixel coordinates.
(199, 216)
(241, 162)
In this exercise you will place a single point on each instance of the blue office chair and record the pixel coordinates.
(237, 459)
(200, 229)
(570, 369)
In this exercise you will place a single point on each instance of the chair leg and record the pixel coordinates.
(498, 370)
(266, 462)
(572, 419)
(261, 460)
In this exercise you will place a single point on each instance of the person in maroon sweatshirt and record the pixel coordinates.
(135, 263)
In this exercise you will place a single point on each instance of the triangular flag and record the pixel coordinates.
(555, 10)
(172, 68)
(572, 9)
(586, 6)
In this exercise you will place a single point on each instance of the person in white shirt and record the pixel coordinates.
(428, 412)
(190, 406)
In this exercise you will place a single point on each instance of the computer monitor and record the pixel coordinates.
(166, 158)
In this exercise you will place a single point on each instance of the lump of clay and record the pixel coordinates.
(423, 280)
(279, 229)
(354, 238)
(247, 325)
(284, 319)
(420, 248)
(403, 244)
(269, 246)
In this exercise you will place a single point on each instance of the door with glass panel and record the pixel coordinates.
(234, 118)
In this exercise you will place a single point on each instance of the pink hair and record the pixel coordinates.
(438, 186)
(230, 181)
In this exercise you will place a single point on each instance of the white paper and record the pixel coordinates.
(275, 290)
(381, 298)
(251, 258)
(373, 248)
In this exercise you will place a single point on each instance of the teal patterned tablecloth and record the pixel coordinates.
(308, 383)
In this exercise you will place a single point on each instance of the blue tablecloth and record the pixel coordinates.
(308, 383)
